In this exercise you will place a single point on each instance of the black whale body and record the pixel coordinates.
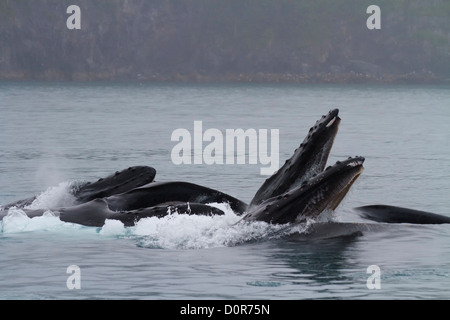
(394, 214)
(161, 192)
(96, 212)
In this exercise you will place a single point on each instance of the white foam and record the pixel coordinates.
(17, 222)
(54, 197)
(175, 231)
(113, 228)
(178, 231)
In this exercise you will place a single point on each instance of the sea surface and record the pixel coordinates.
(55, 134)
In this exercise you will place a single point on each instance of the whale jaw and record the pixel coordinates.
(324, 191)
(308, 160)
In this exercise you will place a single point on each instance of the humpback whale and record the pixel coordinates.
(394, 214)
(299, 191)
(133, 177)
(308, 160)
(155, 199)
(156, 193)
(118, 182)
(131, 195)
(96, 212)
(323, 191)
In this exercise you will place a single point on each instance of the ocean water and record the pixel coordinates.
(54, 134)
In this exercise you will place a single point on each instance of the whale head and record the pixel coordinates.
(119, 182)
(321, 192)
(308, 160)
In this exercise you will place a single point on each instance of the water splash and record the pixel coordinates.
(18, 222)
(179, 231)
(54, 197)
(175, 231)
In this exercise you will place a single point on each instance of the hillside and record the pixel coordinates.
(225, 40)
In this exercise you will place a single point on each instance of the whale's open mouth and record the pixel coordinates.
(309, 159)
(328, 189)
(302, 189)
(324, 191)
(345, 176)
